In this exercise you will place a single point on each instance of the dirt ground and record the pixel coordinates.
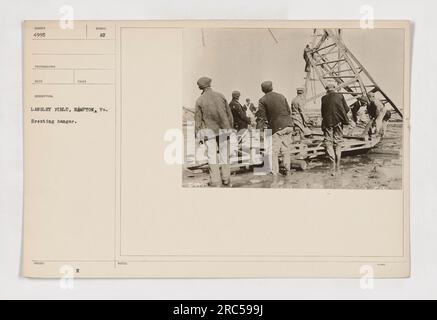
(380, 168)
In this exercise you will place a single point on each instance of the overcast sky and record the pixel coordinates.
(240, 59)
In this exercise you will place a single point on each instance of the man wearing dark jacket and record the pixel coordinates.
(306, 56)
(334, 117)
(213, 115)
(275, 112)
(241, 120)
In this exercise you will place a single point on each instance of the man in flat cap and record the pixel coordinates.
(378, 113)
(275, 112)
(212, 116)
(297, 105)
(298, 102)
(241, 120)
(334, 117)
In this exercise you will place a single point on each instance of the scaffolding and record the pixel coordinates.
(329, 60)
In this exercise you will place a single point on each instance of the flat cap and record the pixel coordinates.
(267, 86)
(204, 82)
(331, 85)
(300, 89)
(236, 94)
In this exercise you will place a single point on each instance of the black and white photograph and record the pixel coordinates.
(218, 158)
(294, 108)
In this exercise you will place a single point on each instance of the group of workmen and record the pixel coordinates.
(213, 113)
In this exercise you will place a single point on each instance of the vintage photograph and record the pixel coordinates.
(151, 123)
(293, 108)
